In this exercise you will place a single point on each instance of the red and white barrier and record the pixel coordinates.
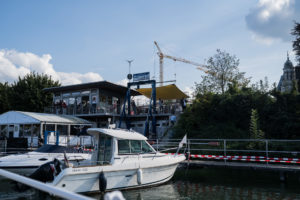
(84, 149)
(246, 158)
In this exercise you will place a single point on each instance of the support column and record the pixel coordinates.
(41, 131)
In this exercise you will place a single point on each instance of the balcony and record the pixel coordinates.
(83, 110)
(168, 109)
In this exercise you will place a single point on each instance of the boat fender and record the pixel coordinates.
(102, 182)
(47, 171)
(139, 176)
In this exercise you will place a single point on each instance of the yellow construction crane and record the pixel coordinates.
(161, 56)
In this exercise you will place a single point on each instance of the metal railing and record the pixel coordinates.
(85, 142)
(235, 147)
(91, 109)
(82, 109)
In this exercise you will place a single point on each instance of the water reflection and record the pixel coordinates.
(197, 184)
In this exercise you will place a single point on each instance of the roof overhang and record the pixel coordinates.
(20, 117)
(105, 85)
(164, 92)
(117, 133)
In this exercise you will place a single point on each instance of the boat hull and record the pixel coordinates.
(86, 179)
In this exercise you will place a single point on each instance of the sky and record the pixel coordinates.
(78, 41)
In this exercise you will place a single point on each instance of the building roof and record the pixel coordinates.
(19, 117)
(100, 84)
(164, 92)
(117, 133)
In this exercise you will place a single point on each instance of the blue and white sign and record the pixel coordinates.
(141, 76)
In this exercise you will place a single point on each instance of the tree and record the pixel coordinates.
(296, 42)
(222, 70)
(255, 132)
(28, 95)
(5, 91)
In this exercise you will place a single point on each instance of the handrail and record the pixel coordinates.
(237, 147)
(44, 187)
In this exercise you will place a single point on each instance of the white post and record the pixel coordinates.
(41, 130)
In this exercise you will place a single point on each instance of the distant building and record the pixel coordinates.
(102, 103)
(291, 76)
(30, 126)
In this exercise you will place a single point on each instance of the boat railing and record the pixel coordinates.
(80, 143)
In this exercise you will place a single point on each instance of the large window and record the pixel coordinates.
(104, 149)
(133, 147)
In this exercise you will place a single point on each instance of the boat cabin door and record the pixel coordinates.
(105, 144)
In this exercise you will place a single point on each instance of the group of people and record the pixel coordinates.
(61, 107)
(183, 104)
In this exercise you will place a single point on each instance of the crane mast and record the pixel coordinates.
(161, 56)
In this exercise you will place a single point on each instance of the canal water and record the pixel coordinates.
(208, 184)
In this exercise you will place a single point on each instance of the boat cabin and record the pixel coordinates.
(113, 144)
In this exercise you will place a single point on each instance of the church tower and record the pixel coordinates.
(288, 78)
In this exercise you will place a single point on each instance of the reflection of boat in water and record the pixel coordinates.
(27, 163)
(166, 191)
(122, 159)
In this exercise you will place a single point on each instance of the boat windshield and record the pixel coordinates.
(48, 148)
(134, 147)
(104, 149)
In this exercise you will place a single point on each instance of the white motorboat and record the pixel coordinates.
(122, 159)
(27, 163)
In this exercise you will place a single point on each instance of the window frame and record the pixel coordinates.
(130, 147)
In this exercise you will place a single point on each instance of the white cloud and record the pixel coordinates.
(123, 82)
(189, 91)
(14, 64)
(273, 19)
(263, 39)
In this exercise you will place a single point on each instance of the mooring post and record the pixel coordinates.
(189, 148)
(267, 152)
(283, 176)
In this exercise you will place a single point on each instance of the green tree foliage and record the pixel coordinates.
(222, 70)
(214, 115)
(5, 91)
(296, 42)
(255, 132)
(27, 93)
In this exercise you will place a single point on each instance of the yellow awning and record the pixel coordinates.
(164, 92)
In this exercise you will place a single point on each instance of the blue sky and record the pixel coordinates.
(82, 41)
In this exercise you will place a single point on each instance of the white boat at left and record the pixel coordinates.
(122, 159)
(27, 163)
